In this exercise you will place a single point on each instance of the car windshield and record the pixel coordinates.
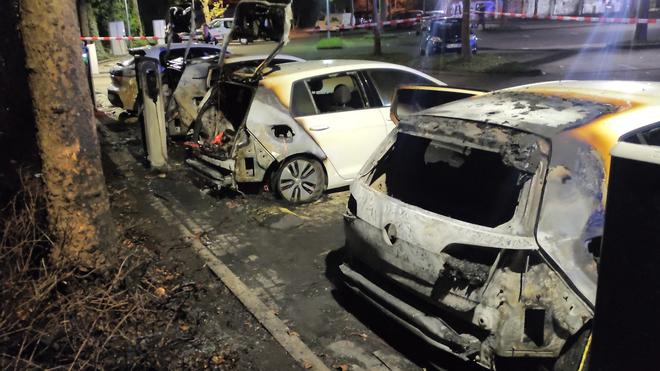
(446, 29)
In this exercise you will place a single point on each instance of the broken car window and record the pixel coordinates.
(468, 184)
(301, 100)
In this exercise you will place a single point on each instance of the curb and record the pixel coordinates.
(288, 339)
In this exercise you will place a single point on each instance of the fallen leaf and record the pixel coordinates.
(160, 292)
(307, 365)
(293, 333)
(184, 327)
(217, 359)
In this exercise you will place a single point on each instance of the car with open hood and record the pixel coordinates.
(477, 224)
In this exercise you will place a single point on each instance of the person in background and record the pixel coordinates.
(481, 15)
(206, 33)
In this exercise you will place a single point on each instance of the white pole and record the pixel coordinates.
(128, 18)
(327, 17)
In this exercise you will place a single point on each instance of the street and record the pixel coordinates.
(287, 255)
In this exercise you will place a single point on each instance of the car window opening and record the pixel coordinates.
(336, 94)
(234, 101)
(468, 184)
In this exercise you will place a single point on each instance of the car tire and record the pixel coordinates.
(299, 180)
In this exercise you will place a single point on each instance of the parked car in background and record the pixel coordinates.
(220, 28)
(300, 127)
(477, 224)
(408, 20)
(443, 36)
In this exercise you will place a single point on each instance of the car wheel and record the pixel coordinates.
(300, 180)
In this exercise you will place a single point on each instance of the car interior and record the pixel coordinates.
(335, 94)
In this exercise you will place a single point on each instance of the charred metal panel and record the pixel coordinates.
(272, 125)
(190, 90)
(572, 211)
(545, 115)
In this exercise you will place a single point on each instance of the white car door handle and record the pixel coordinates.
(319, 128)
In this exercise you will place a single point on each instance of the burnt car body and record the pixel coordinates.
(477, 223)
(302, 127)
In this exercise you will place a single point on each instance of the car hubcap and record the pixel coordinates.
(299, 181)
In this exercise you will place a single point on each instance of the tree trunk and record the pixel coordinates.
(136, 9)
(83, 18)
(505, 9)
(377, 28)
(78, 206)
(641, 30)
(466, 51)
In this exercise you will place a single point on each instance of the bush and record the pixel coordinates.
(331, 43)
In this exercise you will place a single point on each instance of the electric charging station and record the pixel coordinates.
(154, 133)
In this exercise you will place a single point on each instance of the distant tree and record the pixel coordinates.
(641, 30)
(466, 51)
(78, 207)
(377, 28)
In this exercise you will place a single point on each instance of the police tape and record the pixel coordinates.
(572, 18)
(417, 20)
(119, 38)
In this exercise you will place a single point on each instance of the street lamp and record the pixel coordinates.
(327, 17)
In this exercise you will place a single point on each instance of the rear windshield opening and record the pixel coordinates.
(235, 100)
(467, 184)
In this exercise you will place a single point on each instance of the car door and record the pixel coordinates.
(386, 81)
(339, 118)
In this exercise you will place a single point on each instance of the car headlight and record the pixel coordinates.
(435, 39)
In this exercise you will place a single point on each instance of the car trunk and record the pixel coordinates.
(436, 211)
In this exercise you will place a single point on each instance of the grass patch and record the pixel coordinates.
(480, 63)
(331, 43)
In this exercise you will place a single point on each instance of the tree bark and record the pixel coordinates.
(466, 51)
(78, 206)
(377, 29)
(641, 30)
(83, 18)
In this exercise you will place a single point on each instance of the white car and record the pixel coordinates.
(220, 27)
(301, 127)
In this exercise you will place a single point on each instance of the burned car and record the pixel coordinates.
(299, 128)
(477, 223)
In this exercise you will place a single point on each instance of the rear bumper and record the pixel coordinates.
(419, 317)
(430, 329)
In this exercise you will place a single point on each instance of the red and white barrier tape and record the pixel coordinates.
(571, 18)
(110, 38)
(414, 21)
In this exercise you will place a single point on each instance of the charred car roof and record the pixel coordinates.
(548, 109)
